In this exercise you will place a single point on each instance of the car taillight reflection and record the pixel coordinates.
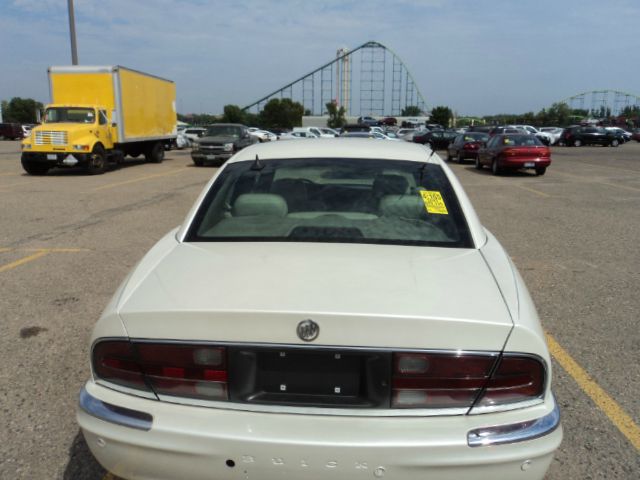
(196, 371)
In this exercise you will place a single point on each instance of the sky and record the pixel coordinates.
(479, 57)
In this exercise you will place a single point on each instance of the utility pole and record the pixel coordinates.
(72, 32)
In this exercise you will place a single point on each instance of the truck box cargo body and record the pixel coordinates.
(100, 114)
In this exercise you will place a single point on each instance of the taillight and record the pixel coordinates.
(471, 146)
(433, 380)
(115, 361)
(517, 378)
(196, 371)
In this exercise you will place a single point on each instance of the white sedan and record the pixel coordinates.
(328, 309)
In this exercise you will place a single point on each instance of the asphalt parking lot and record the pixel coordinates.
(67, 241)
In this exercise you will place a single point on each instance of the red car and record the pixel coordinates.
(512, 152)
(466, 145)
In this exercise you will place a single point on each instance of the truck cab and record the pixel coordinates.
(69, 135)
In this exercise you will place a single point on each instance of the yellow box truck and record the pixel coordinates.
(98, 115)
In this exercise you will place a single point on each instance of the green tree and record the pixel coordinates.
(21, 110)
(411, 111)
(441, 115)
(233, 114)
(281, 113)
(336, 115)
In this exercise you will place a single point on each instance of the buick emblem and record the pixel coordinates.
(308, 330)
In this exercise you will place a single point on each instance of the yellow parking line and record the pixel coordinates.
(608, 405)
(537, 192)
(620, 186)
(2, 187)
(23, 260)
(139, 179)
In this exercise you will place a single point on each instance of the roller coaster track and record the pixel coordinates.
(613, 101)
(385, 84)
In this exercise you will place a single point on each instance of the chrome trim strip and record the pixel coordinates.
(515, 432)
(114, 414)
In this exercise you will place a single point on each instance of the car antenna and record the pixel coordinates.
(257, 165)
(424, 165)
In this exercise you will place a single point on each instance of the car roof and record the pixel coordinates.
(336, 148)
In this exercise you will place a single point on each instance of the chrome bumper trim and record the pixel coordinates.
(114, 414)
(515, 432)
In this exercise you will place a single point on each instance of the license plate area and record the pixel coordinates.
(529, 164)
(310, 377)
(52, 156)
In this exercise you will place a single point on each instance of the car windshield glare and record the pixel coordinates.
(336, 200)
(222, 131)
(521, 141)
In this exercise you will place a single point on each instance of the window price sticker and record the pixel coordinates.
(433, 202)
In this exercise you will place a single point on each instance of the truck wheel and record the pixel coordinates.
(198, 163)
(155, 153)
(97, 161)
(33, 167)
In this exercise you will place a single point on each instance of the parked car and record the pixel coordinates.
(372, 134)
(262, 135)
(194, 133)
(389, 121)
(11, 131)
(316, 131)
(355, 127)
(506, 131)
(306, 322)
(512, 152)
(438, 139)
(465, 146)
(329, 132)
(544, 137)
(577, 136)
(219, 142)
(623, 134)
(370, 121)
(404, 131)
(555, 132)
(635, 135)
(297, 135)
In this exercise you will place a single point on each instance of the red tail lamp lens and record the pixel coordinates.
(516, 379)
(197, 371)
(115, 362)
(423, 380)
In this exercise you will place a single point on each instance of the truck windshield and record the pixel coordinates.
(223, 131)
(69, 115)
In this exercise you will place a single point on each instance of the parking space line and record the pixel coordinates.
(533, 190)
(602, 399)
(23, 260)
(139, 179)
(2, 187)
(598, 182)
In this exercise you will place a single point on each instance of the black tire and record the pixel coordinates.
(459, 158)
(478, 164)
(33, 167)
(97, 161)
(198, 163)
(449, 157)
(577, 142)
(155, 153)
(615, 142)
(495, 169)
(541, 171)
(134, 154)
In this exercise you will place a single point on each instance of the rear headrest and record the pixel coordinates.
(405, 206)
(262, 204)
(389, 185)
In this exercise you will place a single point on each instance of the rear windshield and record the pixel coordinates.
(332, 200)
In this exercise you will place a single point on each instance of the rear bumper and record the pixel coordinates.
(524, 162)
(139, 438)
